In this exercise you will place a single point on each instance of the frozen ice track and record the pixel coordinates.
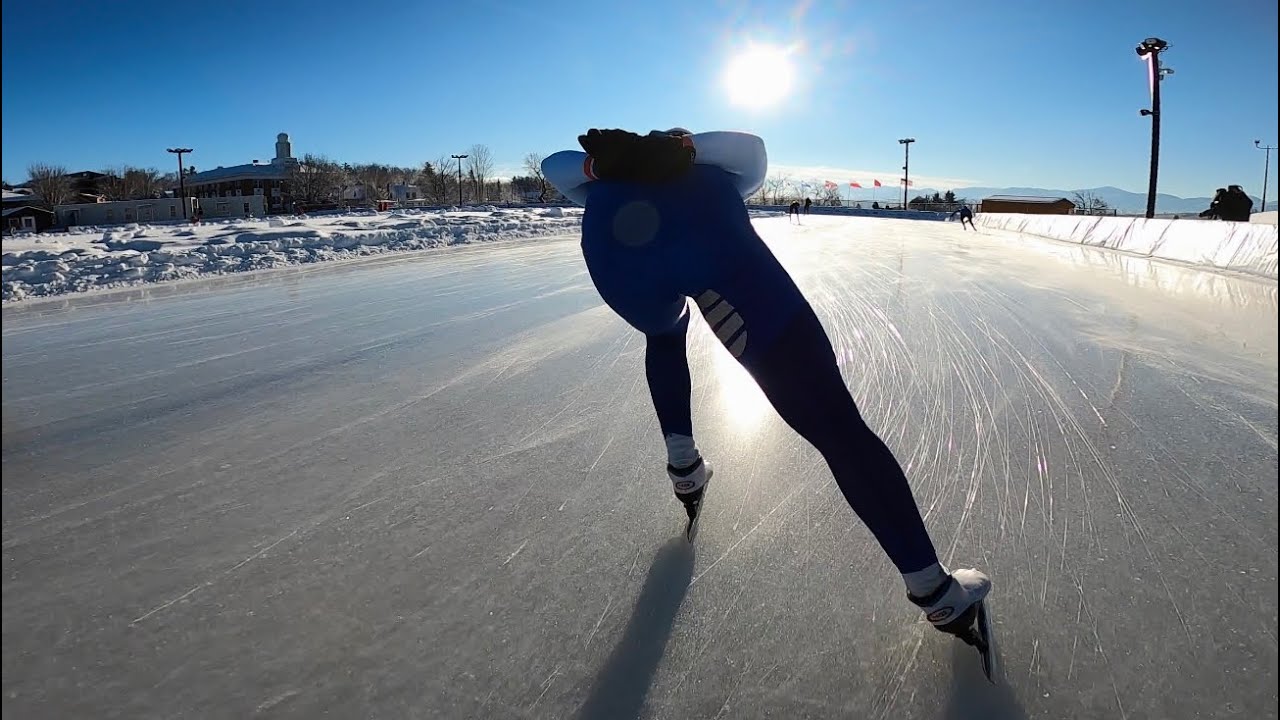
(432, 487)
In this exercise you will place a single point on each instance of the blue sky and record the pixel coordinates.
(999, 94)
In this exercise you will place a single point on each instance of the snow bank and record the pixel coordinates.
(1249, 248)
(85, 258)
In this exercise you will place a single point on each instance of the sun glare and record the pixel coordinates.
(759, 76)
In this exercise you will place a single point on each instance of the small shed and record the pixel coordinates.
(1027, 205)
(27, 218)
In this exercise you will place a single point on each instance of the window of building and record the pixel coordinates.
(28, 223)
(111, 216)
(128, 214)
(246, 209)
(173, 211)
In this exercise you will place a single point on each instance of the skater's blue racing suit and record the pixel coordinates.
(649, 247)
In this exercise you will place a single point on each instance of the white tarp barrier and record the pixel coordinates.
(1239, 247)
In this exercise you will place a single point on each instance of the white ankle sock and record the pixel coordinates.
(922, 583)
(681, 451)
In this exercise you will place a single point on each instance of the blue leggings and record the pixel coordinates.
(648, 249)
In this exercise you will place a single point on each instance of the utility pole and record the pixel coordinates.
(906, 168)
(182, 178)
(1150, 50)
(459, 158)
(1266, 170)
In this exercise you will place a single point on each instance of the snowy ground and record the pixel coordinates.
(91, 257)
(431, 485)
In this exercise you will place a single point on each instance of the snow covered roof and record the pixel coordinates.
(11, 210)
(1026, 198)
(265, 171)
(11, 195)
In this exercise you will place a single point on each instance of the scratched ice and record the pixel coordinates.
(432, 486)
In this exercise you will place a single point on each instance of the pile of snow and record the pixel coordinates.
(85, 258)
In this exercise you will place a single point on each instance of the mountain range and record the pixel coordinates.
(1122, 200)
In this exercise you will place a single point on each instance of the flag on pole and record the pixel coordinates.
(878, 184)
(828, 185)
(855, 185)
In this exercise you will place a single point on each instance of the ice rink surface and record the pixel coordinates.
(432, 486)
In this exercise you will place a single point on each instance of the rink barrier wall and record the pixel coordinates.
(1249, 248)
(857, 212)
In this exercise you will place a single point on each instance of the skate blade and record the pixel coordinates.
(986, 644)
(691, 530)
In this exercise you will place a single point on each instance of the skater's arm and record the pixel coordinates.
(567, 171)
(742, 155)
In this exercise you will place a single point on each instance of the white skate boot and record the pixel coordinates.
(690, 483)
(958, 607)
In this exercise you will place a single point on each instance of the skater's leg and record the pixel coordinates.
(640, 295)
(799, 375)
(666, 367)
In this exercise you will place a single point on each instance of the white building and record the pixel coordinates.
(156, 210)
(269, 181)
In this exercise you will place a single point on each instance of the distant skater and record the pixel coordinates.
(966, 216)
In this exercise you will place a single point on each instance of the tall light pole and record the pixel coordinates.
(1150, 50)
(906, 168)
(1266, 170)
(459, 158)
(182, 180)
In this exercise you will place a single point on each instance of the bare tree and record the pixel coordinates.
(445, 188)
(49, 183)
(480, 167)
(376, 180)
(314, 180)
(830, 195)
(141, 183)
(111, 185)
(774, 187)
(533, 164)
(1087, 203)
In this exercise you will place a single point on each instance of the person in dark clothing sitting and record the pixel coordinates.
(1236, 205)
(1212, 212)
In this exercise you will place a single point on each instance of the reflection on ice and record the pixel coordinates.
(739, 400)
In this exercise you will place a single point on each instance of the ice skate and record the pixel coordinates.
(958, 607)
(690, 484)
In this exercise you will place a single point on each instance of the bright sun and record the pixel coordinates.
(759, 76)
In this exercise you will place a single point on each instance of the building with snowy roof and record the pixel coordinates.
(26, 219)
(1027, 205)
(269, 180)
(20, 198)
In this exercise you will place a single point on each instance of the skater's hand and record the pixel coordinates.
(628, 157)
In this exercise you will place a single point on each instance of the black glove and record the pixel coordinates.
(628, 157)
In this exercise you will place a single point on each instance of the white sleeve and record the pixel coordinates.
(567, 171)
(742, 155)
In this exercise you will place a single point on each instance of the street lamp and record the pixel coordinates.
(459, 158)
(1150, 50)
(182, 180)
(1266, 170)
(906, 168)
